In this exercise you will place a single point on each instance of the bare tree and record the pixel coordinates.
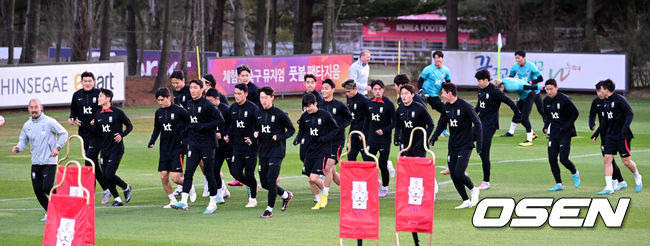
(106, 33)
(328, 20)
(154, 25)
(260, 27)
(239, 38)
(266, 27)
(164, 57)
(185, 43)
(10, 30)
(274, 21)
(131, 43)
(334, 25)
(590, 37)
(452, 24)
(59, 23)
(303, 26)
(215, 39)
(81, 33)
(30, 39)
(513, 26)
(548, 37)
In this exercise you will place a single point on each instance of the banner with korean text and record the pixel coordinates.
(284, 74)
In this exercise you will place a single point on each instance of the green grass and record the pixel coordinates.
(517, 172)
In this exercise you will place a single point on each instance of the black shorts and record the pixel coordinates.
(622, 147)
(171, 163)
(435, 103)
(335, 151)
(313, 165)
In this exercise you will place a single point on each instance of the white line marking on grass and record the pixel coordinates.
(139, 189)
(546, 158)
(293, 177)
(152, 188)
(154, 206)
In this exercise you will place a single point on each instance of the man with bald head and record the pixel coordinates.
(41, 132)
(360, 71)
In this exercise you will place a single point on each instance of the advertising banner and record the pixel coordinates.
(55, 84)
(576, 72)
(283, 74)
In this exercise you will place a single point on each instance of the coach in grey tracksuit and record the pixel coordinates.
(41, 132)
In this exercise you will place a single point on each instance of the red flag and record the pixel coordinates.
(71, 187)
(359, 216)
(66, 220)
(414, 194)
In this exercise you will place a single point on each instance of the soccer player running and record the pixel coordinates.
(561, 115)
(244, 75)
(244, 144)
(459, 115)
(412, 115)
(597, 106)
(169, 121)
(528, 72)
(526, 94)
(379, 128)
(310, 87)
(82, 109)
(224, 150)
(41, 132)
(181, 97)
(109, 122)
(274, 127)
(181, 90)
(316, 130)
(358, 105)
(343, 117)
(429, 83)
(616, 127)
(204, 117)
(210, 83)
(487, 108)
(401, 80)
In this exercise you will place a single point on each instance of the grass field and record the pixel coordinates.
(517, 172)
